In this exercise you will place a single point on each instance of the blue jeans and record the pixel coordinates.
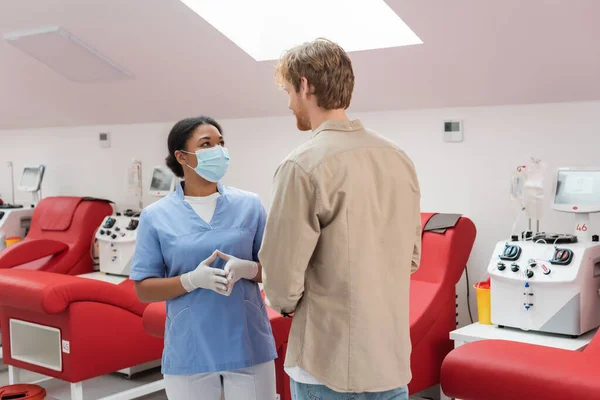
(301, 391)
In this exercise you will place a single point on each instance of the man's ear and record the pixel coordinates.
(305, 87)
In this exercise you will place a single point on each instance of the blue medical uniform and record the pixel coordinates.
(206, 331)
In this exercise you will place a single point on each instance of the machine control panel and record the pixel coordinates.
(511, 253)
(116, 243)
(551, 288)
(547, 262)
(122, 229)
(530, 273)
(562, 257)
(109, 222)
(133, 224)
(532, 263)
(545, 269)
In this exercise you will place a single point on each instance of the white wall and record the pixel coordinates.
(471, 178)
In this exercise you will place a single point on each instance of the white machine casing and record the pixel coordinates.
(15, 221)
(565, 300)
(116, 244)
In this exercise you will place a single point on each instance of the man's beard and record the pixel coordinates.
(302, 122)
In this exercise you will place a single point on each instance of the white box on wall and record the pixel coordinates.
(453, 131)
(104, 139)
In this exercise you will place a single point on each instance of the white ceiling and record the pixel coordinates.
(474, 53)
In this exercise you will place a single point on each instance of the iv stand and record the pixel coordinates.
(141, 191)
(12, 180)
(135, 182)
(537, 226)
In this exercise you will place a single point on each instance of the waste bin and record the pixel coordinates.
(483, 294)
(22, 392)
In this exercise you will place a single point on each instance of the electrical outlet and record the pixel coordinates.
(66, 347)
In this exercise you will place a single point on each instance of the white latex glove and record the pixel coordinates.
(237, 269)
(206, 277)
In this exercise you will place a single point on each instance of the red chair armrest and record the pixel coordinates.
(154, 319)
(30, 250)
(499, 370)
(52, 293)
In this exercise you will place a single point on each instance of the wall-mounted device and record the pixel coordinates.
(453, 131)
(104, 139)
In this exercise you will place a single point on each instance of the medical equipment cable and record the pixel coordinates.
(468, 293)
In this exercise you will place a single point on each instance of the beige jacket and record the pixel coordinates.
(342, 239)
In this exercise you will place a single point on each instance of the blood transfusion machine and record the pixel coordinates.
(117, 234)
(16, 218)
(551, 282)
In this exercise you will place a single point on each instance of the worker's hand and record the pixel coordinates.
(206, 277)
(237, 269)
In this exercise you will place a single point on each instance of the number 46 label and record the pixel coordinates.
(582, 228)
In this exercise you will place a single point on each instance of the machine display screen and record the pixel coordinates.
(161, 180)
(578, 188)
(30, 178)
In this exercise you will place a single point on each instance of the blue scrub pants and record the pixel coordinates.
(302, 391)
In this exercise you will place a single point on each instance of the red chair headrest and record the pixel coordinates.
(56, 213)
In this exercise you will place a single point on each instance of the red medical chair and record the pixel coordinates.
(60, 237)
(97, 325)
(446, 246)
(154, 323)
(501, 369)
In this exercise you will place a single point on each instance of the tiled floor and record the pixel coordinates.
(98, 387)
(94, 388)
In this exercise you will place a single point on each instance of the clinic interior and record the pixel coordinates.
(496, 103)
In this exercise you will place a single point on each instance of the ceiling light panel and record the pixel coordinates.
(67, 55)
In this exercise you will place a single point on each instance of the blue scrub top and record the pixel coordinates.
(206, 331)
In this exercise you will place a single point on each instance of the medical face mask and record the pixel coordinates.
(212, 163)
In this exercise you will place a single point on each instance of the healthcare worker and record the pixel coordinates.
(198, 249)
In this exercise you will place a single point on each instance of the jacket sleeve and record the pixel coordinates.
(416, 258)
(290, 238)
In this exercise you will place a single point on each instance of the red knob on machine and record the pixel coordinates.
(545, 269)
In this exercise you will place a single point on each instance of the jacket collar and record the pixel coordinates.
(339, 125)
